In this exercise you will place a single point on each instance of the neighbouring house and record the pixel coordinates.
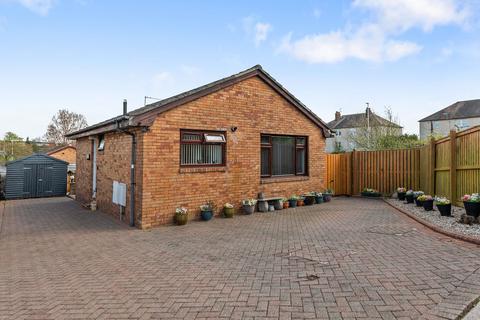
(224, 141)
(66, 153)
(459, 116)
(346, 126)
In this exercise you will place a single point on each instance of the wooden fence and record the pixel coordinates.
(447, 167)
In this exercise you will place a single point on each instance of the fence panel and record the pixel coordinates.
(447, 167)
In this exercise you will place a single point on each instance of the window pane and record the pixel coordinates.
(301, 141)
(300, 161)
(191, 137)
(214, 138)
(213, 153)
(283, 159)
(265, 162)
(192, 154)
(265, 139)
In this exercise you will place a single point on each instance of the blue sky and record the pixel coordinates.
(415, 56)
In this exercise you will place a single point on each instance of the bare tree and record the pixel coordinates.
(64, 122)
(375, 134)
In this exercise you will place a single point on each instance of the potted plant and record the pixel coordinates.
(471, 202)
(181, 216)
(285, 203)
(444, 206)
(409, 196)
(417, 194)
(300, 201)
(327, 195)
(292, 201)
(310, 198)
(427, 202)
(249, 205)
(228, 210)
(401, 192)
(369, 192)
(318, 198)
(206, 210)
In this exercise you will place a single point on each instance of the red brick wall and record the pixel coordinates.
(113, 163)
(254, 108)
(68, 154)
(83, 174)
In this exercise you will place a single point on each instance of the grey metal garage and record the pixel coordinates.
(36, 176)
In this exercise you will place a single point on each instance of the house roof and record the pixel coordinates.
(57, 149)
(144, 116)
(357, 120)
(458, 110)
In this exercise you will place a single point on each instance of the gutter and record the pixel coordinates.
(132, 164)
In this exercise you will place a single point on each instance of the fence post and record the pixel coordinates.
(453, 166)
(432, 166)
(354, 174)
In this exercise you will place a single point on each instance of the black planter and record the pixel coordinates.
(327, 197)
(309, 200)
(292, 203)
(428, 205)
(401, 196)
(445, 209)
(318, 199)
(371, 194)
(409, 198)
(472, 208)
(418, 203)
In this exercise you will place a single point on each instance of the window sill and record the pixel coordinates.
(283, 179)
(203, 169)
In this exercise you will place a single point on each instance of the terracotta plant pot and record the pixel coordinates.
(206, 215)
(300, 202)
(445, 209)
(472, 208)
(428, 205)
(181, 219)
(228, 212)
(285, 204)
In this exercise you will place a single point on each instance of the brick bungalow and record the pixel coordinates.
(224, 141)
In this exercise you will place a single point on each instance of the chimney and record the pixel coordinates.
(338, 115)
(368, 112)
(124, 107)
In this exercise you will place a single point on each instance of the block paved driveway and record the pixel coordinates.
(347, 259)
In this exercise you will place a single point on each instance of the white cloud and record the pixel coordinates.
(41, 7)
(261, 32)
(401, 15)
(367, 43)
(377, 40)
